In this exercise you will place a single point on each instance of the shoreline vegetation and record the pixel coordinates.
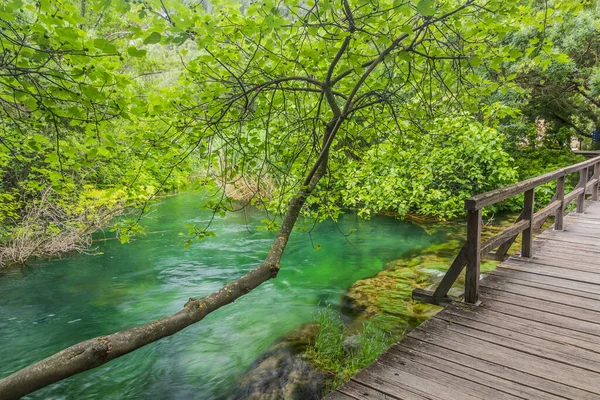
(56, 224)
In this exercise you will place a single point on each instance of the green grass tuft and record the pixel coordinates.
(328, 353)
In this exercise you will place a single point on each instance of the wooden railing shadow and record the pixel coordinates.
(474, 249)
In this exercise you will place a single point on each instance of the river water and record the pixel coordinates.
(53, 304)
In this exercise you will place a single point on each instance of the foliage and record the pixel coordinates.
(559, 76)
(341, 354)
(429, 175)
(73, 122)
(534, 162)
(392, 95)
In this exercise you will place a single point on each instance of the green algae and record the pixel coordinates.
(385, 299)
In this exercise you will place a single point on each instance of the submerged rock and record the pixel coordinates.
(281, 374)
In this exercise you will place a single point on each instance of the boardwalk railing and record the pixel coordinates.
(474, 249)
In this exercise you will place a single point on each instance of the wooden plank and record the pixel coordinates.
(572, 195)
(335, 395)
(561, 297)
(586, 219)
(557, 272)
(470, 372)
(473, 256)
(403, 385)
(523, 342)
(544, 262)
(527, 237)
(358, 391)
(567, 246)
(571, 237)
(397, 363)
(560, 196)
(504, 236)
(586, 227)
(583, 177)
(540, 217)
(581, 289)
(589, 186)
(452, 274)
(442, 351)
(597, 178)
(549, 306)
(503, 249)
(543, 317)
(560, 251)
(520, 343)
(589, 215)
(575, 263)
(554, 333)
(538, 365)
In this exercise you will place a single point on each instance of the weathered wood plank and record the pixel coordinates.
(540, 217)
(395, 363)
(522, 324)
(473, 372)
(358, 391)
(556, 285)
(548, 306)
(403, 385)
(524, 342)
(583, 177)
(543, 262)
(543, 317)
(568, 247)
(452, 274)
(527, 236)
(335, 395)
(525, 379)
(557, 272)
(504, 236)
(572, 195)
(536, 365)
(560, 297)
(473, 256)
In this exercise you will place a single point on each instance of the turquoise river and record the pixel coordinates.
(53, 304)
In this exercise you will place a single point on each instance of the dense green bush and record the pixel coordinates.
(533, 162)
(429, 174)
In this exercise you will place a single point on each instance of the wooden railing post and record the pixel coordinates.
(583, 176)
(596, 176)
(473, 256)
(528, 208)
(560, 195)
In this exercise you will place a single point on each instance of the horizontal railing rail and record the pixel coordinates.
(474, 249)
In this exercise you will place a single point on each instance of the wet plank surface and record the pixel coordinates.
(536, 334)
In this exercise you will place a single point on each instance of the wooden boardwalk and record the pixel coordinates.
(535, 335)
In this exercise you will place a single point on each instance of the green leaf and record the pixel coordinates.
(133, 52)
(426, 8)
(153, 38)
